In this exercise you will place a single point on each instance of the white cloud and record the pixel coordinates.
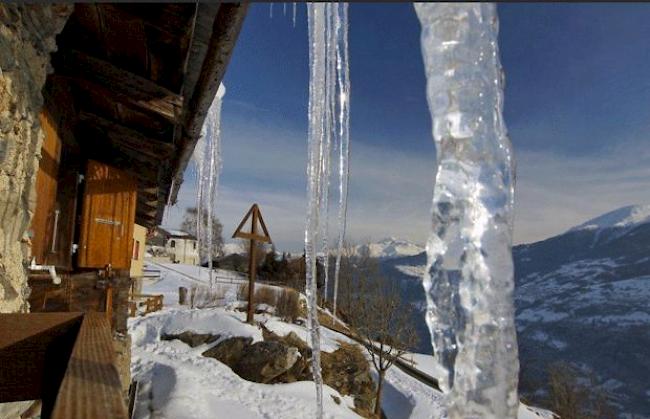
(391, 188)
(555, 192)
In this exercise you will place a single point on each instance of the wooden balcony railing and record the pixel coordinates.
(66, 360)
(151, 303)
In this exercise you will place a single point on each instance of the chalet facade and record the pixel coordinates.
(101, 106)
(175, 246)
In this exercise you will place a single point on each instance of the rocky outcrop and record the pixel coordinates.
(263, 361)
(347, 370)
(229, 351)
(192, 338)
(287, 359)
(27, 37)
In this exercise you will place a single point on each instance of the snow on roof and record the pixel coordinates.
(177, 233)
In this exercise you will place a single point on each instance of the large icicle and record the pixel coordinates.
(198, 156)
(328, 128)
(316, 22)
(343, 76)
(211, 169)
(469, 281)
(331, 23)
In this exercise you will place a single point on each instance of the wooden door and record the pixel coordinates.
(107, 218)
(60, 254)
(46, 214)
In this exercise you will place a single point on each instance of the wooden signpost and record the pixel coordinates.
(255, 216)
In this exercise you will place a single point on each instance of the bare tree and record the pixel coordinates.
(380, 320)
(572, 399)
(189, 225)
(346, 280)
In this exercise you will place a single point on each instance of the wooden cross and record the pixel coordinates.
(255, 216)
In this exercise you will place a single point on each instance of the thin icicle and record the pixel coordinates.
(211, 168)
(198, 156)
(469, 279)
(328, 109)
(284, 8)
(316, 22)
(271, 10)
(343, 76)
(294, 14)
(329, 135)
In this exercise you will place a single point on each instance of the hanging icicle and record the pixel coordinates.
(316, 21)
(343, 76)
(469, 278)
(210, 169)
(294, 14)
(328, 110)
(198, 156)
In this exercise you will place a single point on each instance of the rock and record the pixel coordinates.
(291, 339)
(229, 351)
(348, 372)
(264, 361)
(336, 399)
(191, 338)
(300, 371)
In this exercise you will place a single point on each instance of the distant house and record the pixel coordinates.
(176, 246)
(137, 256)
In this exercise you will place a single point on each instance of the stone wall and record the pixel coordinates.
(27, 37)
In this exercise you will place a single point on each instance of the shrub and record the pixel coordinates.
(205, 297)
(242, 292)
(266, 295)
(289, 306)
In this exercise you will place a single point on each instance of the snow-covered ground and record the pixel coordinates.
(177, 382)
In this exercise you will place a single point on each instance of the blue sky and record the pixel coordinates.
(577, 107)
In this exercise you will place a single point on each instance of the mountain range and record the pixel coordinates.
(582, 297)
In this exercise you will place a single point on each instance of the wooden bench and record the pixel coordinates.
(66, 360)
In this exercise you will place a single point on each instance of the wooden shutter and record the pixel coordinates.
(107, 218)
(45, 213)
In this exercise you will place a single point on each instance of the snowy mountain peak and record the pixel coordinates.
(392, 247)
(622, 217)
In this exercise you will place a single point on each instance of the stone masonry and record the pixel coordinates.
(27, 37)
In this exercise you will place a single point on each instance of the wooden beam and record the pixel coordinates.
(170, 18)
(34, 349)
(225, 30)
(91, 385)
(151, 109)
(140, 90)
(127, 137)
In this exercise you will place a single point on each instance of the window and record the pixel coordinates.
(136, 249)
(172, 243)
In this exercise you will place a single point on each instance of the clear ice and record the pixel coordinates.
(328, 109)
(469, 281)
(343, 77)
(209, 171)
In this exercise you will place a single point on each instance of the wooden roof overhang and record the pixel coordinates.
(140, 79)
